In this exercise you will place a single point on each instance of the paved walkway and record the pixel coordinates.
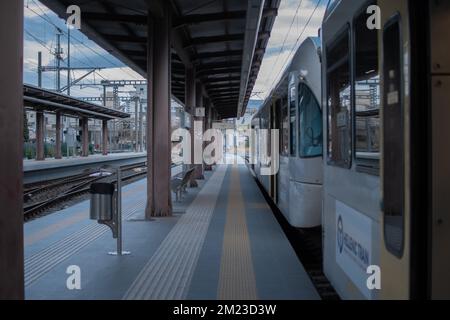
(223, 242)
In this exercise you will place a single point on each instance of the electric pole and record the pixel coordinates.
(68, 60)
(58, 56)
(40, 69)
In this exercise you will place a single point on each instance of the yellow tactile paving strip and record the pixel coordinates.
(53, 228)
(168, 273)
(237, 277)
(60, 225)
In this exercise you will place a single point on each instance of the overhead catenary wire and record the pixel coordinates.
(46, 18)
(294, 47)
(76, 46)
(286, 37)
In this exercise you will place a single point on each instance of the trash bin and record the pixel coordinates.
(101, 208)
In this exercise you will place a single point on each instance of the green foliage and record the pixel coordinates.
(49, 150)
(26, 132)
(29, 151)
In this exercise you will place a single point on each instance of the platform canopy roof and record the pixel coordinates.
(51, 101)
(225, 40)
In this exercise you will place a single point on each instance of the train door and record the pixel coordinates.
(440, 102)
(283, 172)
(416, 175)
(274, 124)
(351, 122)
(394, 45)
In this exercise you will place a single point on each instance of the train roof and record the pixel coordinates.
(310, 43)
(330, 8)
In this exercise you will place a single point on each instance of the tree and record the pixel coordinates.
(26, 132)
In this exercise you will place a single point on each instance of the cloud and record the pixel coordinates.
(85, 52)
(284, 37)
(33, 8)
(40, 36)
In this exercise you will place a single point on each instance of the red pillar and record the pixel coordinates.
(11, 143)
(159, 202)
(58, 154)
(199, 104)
(105, 137)
(84, 137)
(141, 136)
(190, 91)
(40, 133)
(136, 125)
(207, 125)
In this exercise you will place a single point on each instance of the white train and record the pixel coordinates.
(293, 108)
(380, 186)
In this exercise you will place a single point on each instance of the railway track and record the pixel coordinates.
(39, 198)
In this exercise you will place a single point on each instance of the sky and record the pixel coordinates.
(290, 29)
(288, 32)
(40, 35)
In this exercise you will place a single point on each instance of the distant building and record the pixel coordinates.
(252, 108)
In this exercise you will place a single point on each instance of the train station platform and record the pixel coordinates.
(222, 242)
(35, 171)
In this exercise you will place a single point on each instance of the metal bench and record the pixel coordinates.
(179, 183)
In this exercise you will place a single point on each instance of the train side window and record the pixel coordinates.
(367, 94)
(393, 142)
(292, 121)
(310, 127)
(339, 102)
(269, 131)
(284, 127)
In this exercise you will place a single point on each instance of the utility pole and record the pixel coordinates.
(58, 56)
(104, 96)
(40, 69)
(68, 60)
(136, 124)
(141, 138)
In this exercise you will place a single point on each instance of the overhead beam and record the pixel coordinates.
(179, 22)
(217, 54)
(217, 16)
(206, 73)
(125, 38)
(223, 100)
(104, 16)
(224, 38)
(199, 18)
(214, 39)
(254, 16)
(223, 93)
(220, 86)
(218, 65)
(233, 80)
(179, 47)
(223, 90)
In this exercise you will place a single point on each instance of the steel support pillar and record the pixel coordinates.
(141, 135)
(136, 124)
(207, 127)
(58, 152)
(40, 134)
(190, 87)
(199, 136)
(84, 137)
(159, 202)
(11, 142)
(105, 137)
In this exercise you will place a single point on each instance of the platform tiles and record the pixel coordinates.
(37, 171)
(223, 242)
(33, 165)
